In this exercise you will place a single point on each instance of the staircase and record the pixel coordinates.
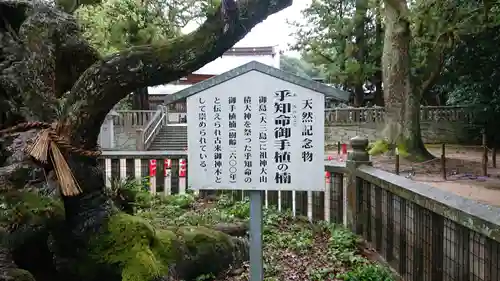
(173, 138)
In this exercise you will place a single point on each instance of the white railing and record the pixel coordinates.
(360, 115)
(169, 180)
(148, 133)
(130, 119)
(346, 116)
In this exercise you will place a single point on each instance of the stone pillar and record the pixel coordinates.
(139, 141)
(358, 156)
(107, 134)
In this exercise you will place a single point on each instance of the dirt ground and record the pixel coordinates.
(463, 166)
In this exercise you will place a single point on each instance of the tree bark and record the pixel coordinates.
(140, 99)
(157, 64)
(402, 106)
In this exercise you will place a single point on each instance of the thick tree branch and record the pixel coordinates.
(111, 79)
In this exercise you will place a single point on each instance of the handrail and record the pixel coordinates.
(147, 134)
(154, 130)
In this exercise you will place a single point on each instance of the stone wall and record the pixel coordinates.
(432, 132)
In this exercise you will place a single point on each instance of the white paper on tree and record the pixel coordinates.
(256, 132)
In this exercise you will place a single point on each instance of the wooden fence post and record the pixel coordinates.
(397, 161)
(494, 156)
(443, 160)
(485, 155)
(358, 156)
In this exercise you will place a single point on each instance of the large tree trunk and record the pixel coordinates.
(140, 99)
(402, 106)
(59, 79)
(360, 54)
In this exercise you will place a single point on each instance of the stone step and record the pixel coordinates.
(169, 148)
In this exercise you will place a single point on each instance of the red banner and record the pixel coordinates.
(344, 148)
(152, 168)
(328, 177)
(182, 168)
(167, 165)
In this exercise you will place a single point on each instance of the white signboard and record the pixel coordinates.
(256, 132)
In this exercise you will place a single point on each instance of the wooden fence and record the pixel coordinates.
(424, 233)
(364, 115)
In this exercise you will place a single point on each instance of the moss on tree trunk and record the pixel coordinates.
(124, 247)
(129, 246)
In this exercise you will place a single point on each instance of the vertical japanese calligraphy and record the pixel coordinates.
(247, 134)
(307, 121)
(202, 127)
(263, 139)
(217, 110)
(256, 132)
(232, 140)
(282, 136)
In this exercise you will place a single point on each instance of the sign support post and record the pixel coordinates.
(256, 263)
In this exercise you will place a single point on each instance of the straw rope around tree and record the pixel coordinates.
(47, 145)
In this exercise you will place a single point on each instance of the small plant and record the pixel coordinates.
(369, 272)
(123, 192)
(322, 274)
(343, 247)
(205, 277)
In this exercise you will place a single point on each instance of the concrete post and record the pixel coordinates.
(139, 141)
(107, 133)
(358, 156)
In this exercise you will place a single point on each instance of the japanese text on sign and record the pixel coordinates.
(217, 140)
(232, 139)
(307, 130)
(263, 139)
(202, 125)
(267, 136)
(247, 134)
(282, 135)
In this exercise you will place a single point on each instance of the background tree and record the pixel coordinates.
(300, 67)
(417, 37)
(344, 38)
(115, 25)
(471, 76)
(57, 90)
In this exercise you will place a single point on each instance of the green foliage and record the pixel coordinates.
(142, 246)
(383, 146)
(330, 39)
(343, 245)
(466, 84)
(369, 272)
(281, 233)
(129, 193)
(118, 24)
(300, 67)
(24, 207)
